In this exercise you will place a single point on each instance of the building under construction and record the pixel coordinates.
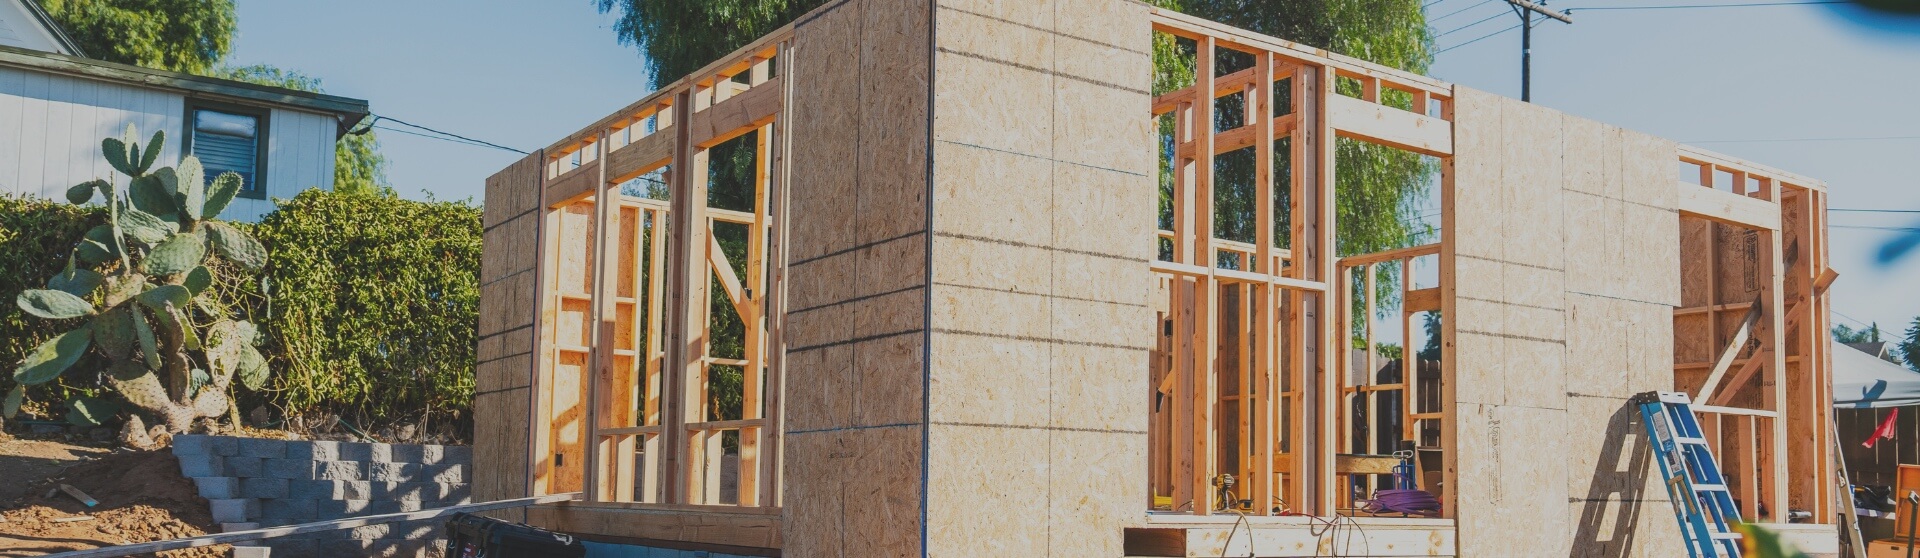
(949, 278)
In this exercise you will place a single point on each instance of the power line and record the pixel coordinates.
(1699, 6)
(1849, 210)
(428, 136)
(1873, 228)
(1464, 27)
(450, 135)
(1482, 38)
(1779, 140)
(1853, 319)
(1432, 4)
(1457, 12)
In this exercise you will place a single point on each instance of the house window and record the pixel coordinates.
(230, 139)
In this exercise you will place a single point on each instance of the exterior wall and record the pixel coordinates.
(51, 127)
(1562, 250)
(251, 483)
(856, 327)
(508, 289)
(1044, 188)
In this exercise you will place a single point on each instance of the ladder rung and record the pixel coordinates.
(1703, 487)
(1724, 536)
(1690, 440)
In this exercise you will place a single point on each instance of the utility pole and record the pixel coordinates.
(1525, 10)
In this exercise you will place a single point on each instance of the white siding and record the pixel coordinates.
(51, 127)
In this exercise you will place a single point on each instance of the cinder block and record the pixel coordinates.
(339, 470)
(240, 510)
(318, 450)
(252, 552)
(231, 527)
(380, 453)
(289, 468)
(264, 488)
(444, 473)
(335, 509)
(263, 448)
(457, 454)
(213, 488)
(405, 453)
(392, 472)
(294, 546)
(243, 467)
(415, 491)
(455, 492)
(186, 445)
(194, 466)
(355, 451)
(289, 509)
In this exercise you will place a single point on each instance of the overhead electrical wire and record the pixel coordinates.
(1852, 210)
(1706, 6)
(1457, 12)
(437, 134)
(1464, 27)
(1783, 140)
(1482, 38)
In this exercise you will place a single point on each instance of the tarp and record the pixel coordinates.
(1862, 381)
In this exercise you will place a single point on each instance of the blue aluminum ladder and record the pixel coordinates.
(1701, 502)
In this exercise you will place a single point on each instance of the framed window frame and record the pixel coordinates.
(257, 190)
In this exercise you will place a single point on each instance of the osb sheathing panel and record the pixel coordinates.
(504, 359)
(856, 347)
(1039, 305)
(1566, 272)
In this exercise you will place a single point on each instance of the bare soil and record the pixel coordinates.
(141, 496)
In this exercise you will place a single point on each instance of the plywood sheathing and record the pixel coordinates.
(1041, 167)
(856, 325)
(505, 359)
(1565, 265)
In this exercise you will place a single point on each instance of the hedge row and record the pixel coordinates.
(368, 303)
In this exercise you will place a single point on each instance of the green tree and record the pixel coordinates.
(358, 166)
(1869, 334)
(1909, 348)
(175, 35)
(677, 37)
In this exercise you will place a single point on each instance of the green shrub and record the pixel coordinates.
(35, 237)
(370, 306)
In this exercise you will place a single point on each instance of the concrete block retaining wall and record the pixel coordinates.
(251, 483)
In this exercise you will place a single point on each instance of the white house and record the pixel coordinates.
(56, 106)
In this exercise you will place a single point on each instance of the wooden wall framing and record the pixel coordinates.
(1750, 335)
(1248, 375)
(621, 379)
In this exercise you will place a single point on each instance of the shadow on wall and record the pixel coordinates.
(1599, 536)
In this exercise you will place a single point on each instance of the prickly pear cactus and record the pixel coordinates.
(136, 290)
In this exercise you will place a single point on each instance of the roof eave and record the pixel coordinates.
(346, 111)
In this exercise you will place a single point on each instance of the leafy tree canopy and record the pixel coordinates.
(1909, 348)
(680, 36)
(175, 35)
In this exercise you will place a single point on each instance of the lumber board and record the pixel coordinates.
(737, 115)
(1421, 300)
(314, 527)
(716, 525)
(1727, 207)
(574, 184)
(640, 157)
(1392, 127)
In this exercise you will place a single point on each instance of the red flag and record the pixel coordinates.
(1884, 431)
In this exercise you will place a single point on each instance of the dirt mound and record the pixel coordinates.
(142, 498)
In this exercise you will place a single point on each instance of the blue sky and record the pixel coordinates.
(525, 73)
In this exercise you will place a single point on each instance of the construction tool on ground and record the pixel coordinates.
(1701, 502)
